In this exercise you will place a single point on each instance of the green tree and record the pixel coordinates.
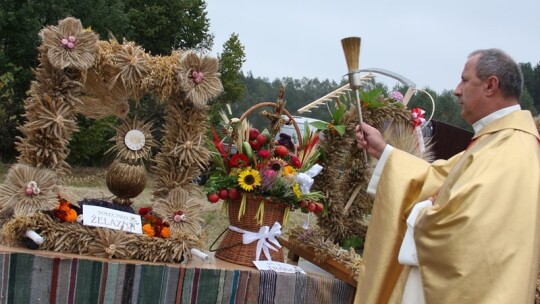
(231, 61)
(88, 146)
(20, 23)
(161, 26)
(8, 121)
(527, 103)
(531, 77)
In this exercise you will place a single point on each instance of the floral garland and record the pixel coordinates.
(64, 212)
(152, 225)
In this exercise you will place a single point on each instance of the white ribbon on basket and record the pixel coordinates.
(261, 237)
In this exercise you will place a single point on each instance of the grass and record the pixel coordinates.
(90, 183)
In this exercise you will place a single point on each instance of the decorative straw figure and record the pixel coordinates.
(126, 177)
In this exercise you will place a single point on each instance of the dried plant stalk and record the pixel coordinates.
(351, 48)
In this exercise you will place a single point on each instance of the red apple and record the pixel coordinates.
(254, 144)
(213, 198)
(253, 133)
(281, 151)
(262, 139)
(223, 194)
(311, 207)
(233, 193)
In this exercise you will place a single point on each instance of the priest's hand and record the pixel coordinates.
(370, 139)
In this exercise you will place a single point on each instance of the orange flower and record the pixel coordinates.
(71, 216)
(148, 230)
(64, 206)
(165, 232)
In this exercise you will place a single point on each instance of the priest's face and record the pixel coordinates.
(470, 92)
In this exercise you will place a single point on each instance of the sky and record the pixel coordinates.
(427, 41)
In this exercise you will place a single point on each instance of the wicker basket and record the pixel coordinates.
(232, 249)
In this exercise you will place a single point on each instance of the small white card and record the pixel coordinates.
(277, 267)
(109, 218)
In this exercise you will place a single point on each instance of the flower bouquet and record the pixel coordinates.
(261, 176)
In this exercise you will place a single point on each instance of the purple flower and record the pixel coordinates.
(396, 95)
(268, 177)
(286, 140)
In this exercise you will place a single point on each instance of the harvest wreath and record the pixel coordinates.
(78, 73)
(339, 235)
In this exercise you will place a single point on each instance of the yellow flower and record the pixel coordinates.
(288, 170)
(249, 178)
(235, 171)
(296, 190)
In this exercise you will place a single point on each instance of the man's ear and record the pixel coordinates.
(491, 85)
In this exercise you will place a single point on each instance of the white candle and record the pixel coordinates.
(38, 239)
(201, 255)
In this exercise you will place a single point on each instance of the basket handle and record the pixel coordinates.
(284, 111)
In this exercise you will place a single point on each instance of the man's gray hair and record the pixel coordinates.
(495, 62)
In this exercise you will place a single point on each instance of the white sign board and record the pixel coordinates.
(277, 267)
(109, 218)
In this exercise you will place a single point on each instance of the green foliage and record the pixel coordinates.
(216, 183)
(161, 26)
(531, 83)
(335, 124)
(9, 120)
(527, 103)
(231, 61)
(354, 242)
(371, 98)
(230, 67)
(88, 146)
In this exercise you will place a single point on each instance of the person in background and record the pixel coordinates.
(466, 229)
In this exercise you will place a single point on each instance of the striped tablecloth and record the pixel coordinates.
(30, 278)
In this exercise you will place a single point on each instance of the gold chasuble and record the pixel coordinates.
(480, 241)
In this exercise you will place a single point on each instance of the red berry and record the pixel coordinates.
(233, 193)
(263, 153)
(319, 207)
(311, 207)
(296, 161)
(302, 204)
(213, 198)
(262, 139)
(223, 194)
(253, 133)
(281, 151)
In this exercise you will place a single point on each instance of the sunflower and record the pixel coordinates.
(249, 178)
(276, 163)
(199, 78)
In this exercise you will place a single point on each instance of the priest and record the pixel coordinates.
(466, 229)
